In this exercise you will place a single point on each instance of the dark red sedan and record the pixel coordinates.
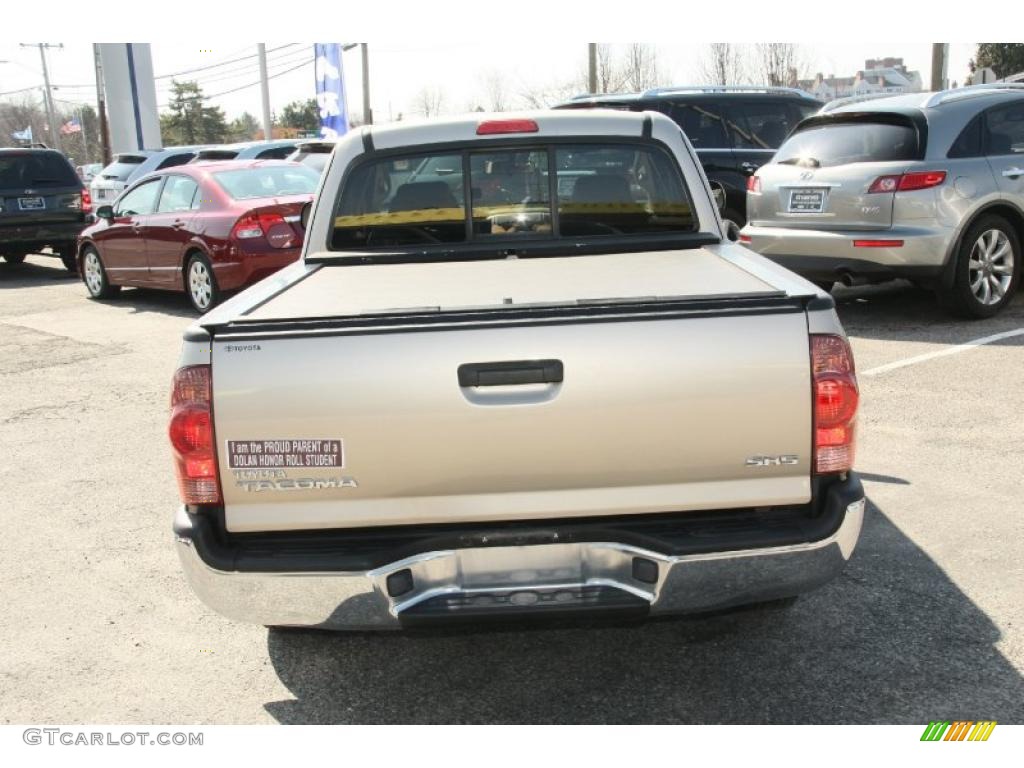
(203, 229)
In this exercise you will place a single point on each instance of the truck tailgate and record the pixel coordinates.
(651, 412)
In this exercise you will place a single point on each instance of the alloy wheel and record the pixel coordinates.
(200, 285)
(990, 267)
(93, 273)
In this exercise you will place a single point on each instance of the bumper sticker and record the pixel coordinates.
(286, 454)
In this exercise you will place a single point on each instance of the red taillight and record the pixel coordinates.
(753, 183)
(835, 403)
(877, 243)
(745, 240)
(907, 182)
(490, 127)
(272, 226)
(86, 201)
(191, 433)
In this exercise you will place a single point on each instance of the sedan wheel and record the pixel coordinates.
(95, 277)
(990, 267)
(202, 284)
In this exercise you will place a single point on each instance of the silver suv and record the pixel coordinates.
(928, 187)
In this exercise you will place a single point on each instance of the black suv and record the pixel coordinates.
(42, 203)
(734, 129)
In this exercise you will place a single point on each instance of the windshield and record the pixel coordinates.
(267, 181)
(826, 144)
(599, 190)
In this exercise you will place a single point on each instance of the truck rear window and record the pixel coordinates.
(820, 145)
(597, 190)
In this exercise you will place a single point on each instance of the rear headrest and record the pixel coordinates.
(423, 194)
(601, 188)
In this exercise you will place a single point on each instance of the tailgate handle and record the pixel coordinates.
(510, 373)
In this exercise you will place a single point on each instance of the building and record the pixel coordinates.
(888, 75)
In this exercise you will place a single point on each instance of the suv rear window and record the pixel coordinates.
(598, 190)
(824, 144)
(20, 170)
(122, 168)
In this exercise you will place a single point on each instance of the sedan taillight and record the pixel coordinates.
(754, 184)
(836, 397)
(191, 433)
(271, 226)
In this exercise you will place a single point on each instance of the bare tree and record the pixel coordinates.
(639, 68)
(778, 63)
(429, 102)
(609, 76)
(723, 64)
(495, 91)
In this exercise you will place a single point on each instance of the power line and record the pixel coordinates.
(220, 64)
(289, 57)
(250, 85)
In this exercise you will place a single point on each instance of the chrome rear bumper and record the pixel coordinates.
(554, 578)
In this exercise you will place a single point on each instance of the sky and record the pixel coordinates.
(400, 72)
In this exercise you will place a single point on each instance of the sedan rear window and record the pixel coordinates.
(824, 144)
(36, 169)
(268, 181)
(598, 190)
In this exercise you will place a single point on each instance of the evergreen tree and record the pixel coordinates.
(190, 120)
(1005, 59)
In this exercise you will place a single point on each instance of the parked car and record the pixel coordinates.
(928, 187)
(313, 153)
(88, 171)
(131, 166)
(250, 150)
(734, 129)
(42, 203)
(507, 396)
(201, 229)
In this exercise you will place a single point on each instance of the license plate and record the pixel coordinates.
(31, 203)
(807, 201)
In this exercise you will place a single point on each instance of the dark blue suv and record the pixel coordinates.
(734, 129)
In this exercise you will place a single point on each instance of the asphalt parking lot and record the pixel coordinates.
(98, 625)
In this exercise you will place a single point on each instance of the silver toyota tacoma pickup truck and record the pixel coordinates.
(518, 373)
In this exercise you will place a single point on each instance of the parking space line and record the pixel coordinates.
(942, 352)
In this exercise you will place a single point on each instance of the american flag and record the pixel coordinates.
(71, 126)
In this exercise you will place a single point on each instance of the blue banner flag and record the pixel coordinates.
(330, 90)
(25, 135)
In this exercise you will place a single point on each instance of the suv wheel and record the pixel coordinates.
(95, 276)
(201, 284)
(14, 258)
(733, 224)
(987, 269)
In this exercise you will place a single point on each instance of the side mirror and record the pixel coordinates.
(305, 213)
(719, 194)
(105, 212)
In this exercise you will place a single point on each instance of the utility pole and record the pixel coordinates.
(47, 96)
(940, 57)
(367, 112)
(268, 128)
(101, 107)
(592, 67)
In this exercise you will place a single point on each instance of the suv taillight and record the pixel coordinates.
(753, 183)
(86, 201)
(191, 432)
(835, 403)
(907, 182)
